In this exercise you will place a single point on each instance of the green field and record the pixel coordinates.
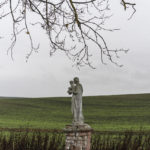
(104, 113)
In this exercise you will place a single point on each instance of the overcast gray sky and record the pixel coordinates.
(45, 76)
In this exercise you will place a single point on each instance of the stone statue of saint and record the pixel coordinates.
(76, 104)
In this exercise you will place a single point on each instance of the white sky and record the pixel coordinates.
(48, 76)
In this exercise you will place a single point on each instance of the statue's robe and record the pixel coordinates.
(76, 107)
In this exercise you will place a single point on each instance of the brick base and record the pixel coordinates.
(78, 137)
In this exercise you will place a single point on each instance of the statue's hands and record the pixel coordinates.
(74, 93)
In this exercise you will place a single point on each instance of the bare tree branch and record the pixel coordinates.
(126, 4)
(71, 26)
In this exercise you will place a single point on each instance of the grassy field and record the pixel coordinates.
(104, 113)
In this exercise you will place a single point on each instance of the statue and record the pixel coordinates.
(78, 134)
(76, 103)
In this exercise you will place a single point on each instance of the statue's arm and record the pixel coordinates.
(78, 89)
(75, 91)
(81, 87)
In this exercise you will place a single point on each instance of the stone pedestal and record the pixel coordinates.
(78, 137)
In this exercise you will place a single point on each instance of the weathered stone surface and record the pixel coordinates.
(78, 137)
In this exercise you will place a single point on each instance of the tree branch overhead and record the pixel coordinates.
(65, 21)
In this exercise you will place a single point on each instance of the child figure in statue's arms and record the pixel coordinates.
(71, 88)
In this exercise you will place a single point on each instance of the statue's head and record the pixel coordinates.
(76, 80)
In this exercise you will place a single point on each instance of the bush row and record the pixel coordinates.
(56, 141)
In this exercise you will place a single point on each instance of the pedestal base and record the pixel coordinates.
(78, 137)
